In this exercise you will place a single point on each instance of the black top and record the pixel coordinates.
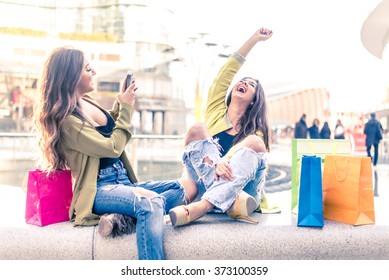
(106, 131)
(225, 141)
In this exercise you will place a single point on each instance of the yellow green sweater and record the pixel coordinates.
(84, 146)
(216, 118)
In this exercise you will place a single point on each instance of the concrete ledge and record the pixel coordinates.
(54, 242)
(228, 239)
(215, 236)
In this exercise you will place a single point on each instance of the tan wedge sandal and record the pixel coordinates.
(179, 216)
(243, 207)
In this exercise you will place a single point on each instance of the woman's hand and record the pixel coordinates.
(127, 95)
(263, 33)
(223, 170)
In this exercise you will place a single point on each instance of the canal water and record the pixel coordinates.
(146, 171)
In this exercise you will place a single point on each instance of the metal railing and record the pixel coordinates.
(15, 146)
(152, 156)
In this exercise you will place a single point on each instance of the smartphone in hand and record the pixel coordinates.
(128, 79)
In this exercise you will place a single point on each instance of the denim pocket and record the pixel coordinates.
(107, 178)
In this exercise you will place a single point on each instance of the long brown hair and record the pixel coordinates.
(55, 101)
(255, 116)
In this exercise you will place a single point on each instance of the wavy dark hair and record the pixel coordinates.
(255, 117)
(56, 100)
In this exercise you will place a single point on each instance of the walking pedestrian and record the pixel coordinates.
(373, 131)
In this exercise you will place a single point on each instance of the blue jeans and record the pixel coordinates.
(116, 194)
(248, 169)
(375, 157)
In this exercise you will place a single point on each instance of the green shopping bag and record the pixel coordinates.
(313, 147)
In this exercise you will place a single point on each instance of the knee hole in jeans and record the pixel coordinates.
(198, 131)
(255, 143)
(207, 160)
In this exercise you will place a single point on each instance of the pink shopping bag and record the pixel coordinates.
(48, 197)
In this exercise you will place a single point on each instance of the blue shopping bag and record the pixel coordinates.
(310, 204)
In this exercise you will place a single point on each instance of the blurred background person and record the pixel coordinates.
(314, 129)
(373, 131)
(301, 128)
(339, 130)
(325, 132)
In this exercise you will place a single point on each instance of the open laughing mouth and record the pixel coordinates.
(241, 88)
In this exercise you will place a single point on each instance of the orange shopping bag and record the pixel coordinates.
(348, 190)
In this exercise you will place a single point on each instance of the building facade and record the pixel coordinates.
(119, 36)
(116, 37)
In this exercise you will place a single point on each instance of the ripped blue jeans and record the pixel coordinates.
(248, 169)
(116, 194)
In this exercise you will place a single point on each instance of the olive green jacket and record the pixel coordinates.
(84, 146)
(216, 118)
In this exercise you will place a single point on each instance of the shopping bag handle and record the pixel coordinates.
(345, 172)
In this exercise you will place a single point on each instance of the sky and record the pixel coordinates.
(315, 43)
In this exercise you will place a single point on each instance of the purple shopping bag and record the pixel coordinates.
(48, 197)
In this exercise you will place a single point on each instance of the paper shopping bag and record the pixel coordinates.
(310, 203)
(348, 190)
(48, 197)
(313, 147)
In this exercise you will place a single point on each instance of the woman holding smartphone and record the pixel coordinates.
(75, 132)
